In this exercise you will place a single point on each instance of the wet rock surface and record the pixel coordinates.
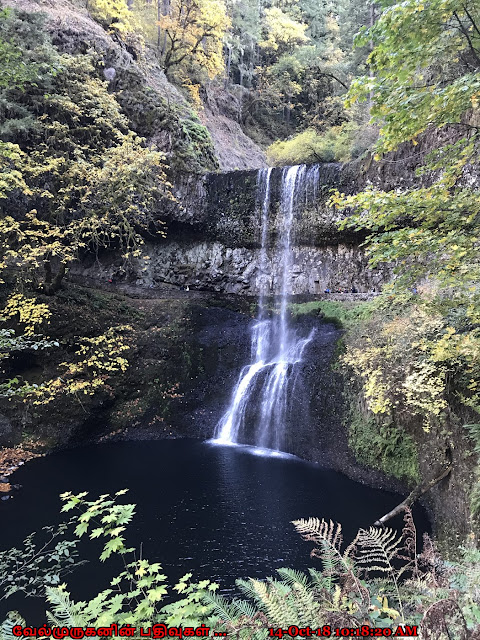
(214, 243)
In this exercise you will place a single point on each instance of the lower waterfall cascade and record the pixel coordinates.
(260, 405)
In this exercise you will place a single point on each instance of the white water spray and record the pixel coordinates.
(276, 349)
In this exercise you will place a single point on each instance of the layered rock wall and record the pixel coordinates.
(213, 239)
(216, 267)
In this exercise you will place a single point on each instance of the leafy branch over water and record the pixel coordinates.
(380, 579)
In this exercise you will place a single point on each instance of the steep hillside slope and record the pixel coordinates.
(157, 110)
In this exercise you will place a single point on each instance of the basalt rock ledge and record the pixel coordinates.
(213, 239)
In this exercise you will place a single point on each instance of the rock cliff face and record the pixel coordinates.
(216, 267)
(213, 239)
(222, 115)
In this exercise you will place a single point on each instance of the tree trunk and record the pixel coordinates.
(163, 10)
(413, 497)
(52, 284)
(229, 65)
(372, 22)
(240, 69)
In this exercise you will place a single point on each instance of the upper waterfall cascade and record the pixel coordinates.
(260, 402)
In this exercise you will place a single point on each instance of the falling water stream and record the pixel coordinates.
(268, 381)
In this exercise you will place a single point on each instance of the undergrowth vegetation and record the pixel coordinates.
(412, 358)
(380, 579)
(340, 143)
(76, 178)
(343, 314)
(382, 445)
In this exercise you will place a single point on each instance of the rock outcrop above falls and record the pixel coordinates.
(213, 239)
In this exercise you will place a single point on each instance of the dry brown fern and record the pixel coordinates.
(444, 620)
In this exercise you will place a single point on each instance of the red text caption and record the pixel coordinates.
(114, 630)
(365, 631)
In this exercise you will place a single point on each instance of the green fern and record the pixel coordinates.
(65, 612)
(226, 611)
(319, 580)
(293, 577)
(6, 629)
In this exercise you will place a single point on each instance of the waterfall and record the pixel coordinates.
(260, 402)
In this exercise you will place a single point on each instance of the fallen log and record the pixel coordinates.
(417, 493)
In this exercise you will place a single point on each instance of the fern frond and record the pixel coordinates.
(318, 530)
(376, 548)
(308, 608)
(226, 611)
(273, 597)
(248, 589)
(292, 576)
(328, 537)
(244, 608)
(65, 612)
(409, 552)
(6, 629)
(319, 580)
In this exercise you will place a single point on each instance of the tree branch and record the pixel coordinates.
(471, 19)
(417, 493)
(331, 75)
(467, 36)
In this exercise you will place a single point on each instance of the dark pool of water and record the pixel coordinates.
(220, 512)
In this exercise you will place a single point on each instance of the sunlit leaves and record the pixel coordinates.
(27, 311)
(77, 179)
(396, 359)
(113, 14)
(194, 32)
(282, 32)
(425, 67)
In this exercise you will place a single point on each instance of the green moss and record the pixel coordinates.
(187, 143)
(194, 146)
(342, 314)
(474, 494)
(383, 446)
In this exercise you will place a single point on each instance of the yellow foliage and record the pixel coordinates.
(113, 14)
(335, 144)
(194, 32)
(99, 358)
(282, 31)
(26, 311)
(405, 363)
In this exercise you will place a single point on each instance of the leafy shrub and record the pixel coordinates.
(337, 144)
(412, 358)
(381, 579)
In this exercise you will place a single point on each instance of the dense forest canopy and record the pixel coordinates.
(288, 62)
